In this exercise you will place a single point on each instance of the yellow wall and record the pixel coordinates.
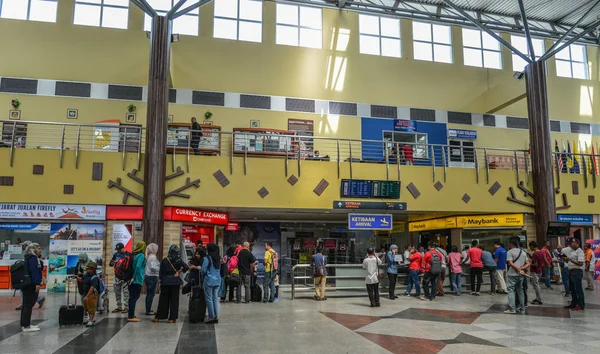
(268, 173)
(66, 52)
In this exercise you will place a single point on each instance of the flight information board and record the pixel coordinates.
(356, 188)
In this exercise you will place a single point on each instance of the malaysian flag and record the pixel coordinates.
(558, 156)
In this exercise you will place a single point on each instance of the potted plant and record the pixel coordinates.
(15, 103)
(131, 108)
(208, 115)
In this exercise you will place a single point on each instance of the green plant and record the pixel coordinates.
(131, 108)
(15, 103)
(208, 114)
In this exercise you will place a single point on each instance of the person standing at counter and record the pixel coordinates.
(120, 286)
(371, 264)
(31, 292)
(392, 270)
(196, 135)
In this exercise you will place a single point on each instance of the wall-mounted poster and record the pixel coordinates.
(304, 129)
(122, 233)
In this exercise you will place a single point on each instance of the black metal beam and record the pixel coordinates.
(557, 43)
(552, 52)
(149, 7)
(487, 30)
(142, 7)
(526, 30)
(175, 8)
(189, 8)
(575, 9)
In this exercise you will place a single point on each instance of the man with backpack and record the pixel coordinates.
(271, 265)
(432, 267)
(246, 263)
(119, 285)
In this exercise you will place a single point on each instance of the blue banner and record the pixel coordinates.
(20, 226)
(370, 222)
(576, 219)
(405, 125)
(462, 134)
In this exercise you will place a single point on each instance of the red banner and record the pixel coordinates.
(309, 243)
(329, 243)
(232, 226)
(199, 216)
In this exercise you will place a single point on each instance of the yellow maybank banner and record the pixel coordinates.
(460, 222)
(502, 220)
(435, 224)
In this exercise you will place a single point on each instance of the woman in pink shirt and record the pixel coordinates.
(454, 259)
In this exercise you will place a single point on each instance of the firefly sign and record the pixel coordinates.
(370, 222)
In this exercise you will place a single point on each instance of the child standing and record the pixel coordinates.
(91, 288)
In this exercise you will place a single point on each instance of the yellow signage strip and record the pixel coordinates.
(475, 221)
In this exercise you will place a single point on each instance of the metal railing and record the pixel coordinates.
(293, 150)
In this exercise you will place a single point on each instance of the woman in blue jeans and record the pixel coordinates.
(414, 269)
(152, 270)
(211, 273)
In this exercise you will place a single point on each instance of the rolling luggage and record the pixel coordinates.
(197, 305)
(70, 314)
(255, 291)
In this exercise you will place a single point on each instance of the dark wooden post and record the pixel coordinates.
(156, 132)
(541, 148)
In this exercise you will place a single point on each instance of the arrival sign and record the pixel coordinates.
(370, 222)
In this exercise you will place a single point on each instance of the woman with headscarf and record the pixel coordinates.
(211, 272)
(152, 269)
(171, 269)
(30, 293)
(135, 284)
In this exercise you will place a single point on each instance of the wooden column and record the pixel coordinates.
(156, 132)
(541, 148)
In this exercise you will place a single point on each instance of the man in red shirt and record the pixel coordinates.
(431, 274)
(476, 270)
(537, 265)
(414, 269)
(407, 150)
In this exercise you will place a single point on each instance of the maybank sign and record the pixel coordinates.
(463, 222)
(503, 220)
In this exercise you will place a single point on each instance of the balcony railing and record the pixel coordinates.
(290, 149)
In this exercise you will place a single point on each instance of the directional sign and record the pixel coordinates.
(370, 222)
(343, 204)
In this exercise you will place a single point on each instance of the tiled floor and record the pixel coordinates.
(462, 324)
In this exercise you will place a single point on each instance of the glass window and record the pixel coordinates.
(417, 140)
(299, 26)
(33, 10)
(520, 43)
(186, 24)
(481, 50)
(238, 20)
(571, 62)
(101, 13)
(432, 42)
(379, 36)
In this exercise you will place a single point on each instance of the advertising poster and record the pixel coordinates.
(596, 248)
(67, 241)
(122, 233)
(52, 211)
(257, 233)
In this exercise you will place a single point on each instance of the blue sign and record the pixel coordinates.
(462, 134)
(18, 226)
(576, 219)
(405, 125)
(370, 222)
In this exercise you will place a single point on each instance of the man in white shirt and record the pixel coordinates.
(576, 263)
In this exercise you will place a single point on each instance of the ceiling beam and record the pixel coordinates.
(190, 8)
(342, 4)
(565, 16)
(174, 9)
(487, 30)
(557, 43)
(555, 50)
(147, 11)
(526, 30)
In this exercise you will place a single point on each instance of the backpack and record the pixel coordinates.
(100, 284)
(274, 260)
(436, 264)
(233, 263)
(212, 278)
(124, 267)
(19, 275)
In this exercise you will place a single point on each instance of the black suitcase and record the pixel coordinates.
(70, 314)
(197, 305)
(256, 293)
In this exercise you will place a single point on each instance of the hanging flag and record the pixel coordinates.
(576, 167)
(594, 162)
(569, 156)
(559, 160)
